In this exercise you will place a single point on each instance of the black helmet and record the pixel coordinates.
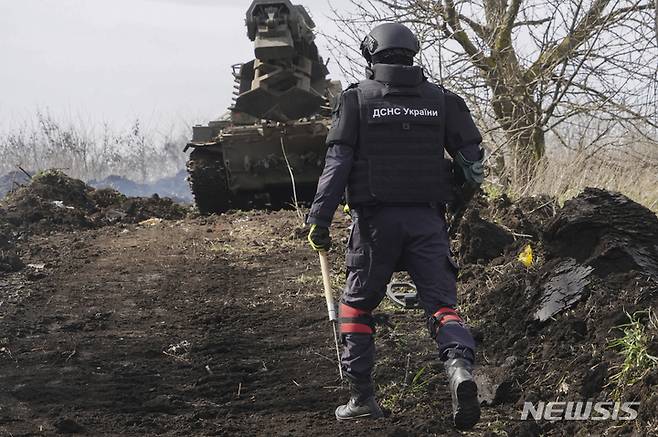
(389, 36)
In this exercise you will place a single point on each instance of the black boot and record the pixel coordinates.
(362, 403)
(464, 392)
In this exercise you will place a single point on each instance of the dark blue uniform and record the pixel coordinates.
(385, 152)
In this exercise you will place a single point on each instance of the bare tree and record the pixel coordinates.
(530, 68)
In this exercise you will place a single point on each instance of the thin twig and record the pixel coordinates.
(25, 172)
(71, 355)
(323, 356)
(292, 177)
(541, 206)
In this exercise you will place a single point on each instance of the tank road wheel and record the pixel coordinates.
(207, 178)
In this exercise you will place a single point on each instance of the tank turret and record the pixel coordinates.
(288, 79)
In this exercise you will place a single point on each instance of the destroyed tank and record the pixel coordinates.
(268, 150)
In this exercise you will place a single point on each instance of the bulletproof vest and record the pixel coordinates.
(399, 156)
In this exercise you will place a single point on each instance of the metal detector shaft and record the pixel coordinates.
(331, 308)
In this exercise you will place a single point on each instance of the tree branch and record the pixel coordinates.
(479, 29)
(556, 54)
(532, 22)
(504, 31)
(656, 19)
(458, 34)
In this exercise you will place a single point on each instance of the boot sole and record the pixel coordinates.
(375, 415)
(363, 416)
(468, 406)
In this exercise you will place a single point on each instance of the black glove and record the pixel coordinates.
(469, 172)
(319, 238)
(469, 175)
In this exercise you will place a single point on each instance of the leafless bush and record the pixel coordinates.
(91, 153)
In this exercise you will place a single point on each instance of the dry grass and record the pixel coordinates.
(565, 174)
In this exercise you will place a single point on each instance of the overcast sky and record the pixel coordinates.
(166, 62)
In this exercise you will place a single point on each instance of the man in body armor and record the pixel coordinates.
(386, 153)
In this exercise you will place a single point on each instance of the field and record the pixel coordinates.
(118, 323)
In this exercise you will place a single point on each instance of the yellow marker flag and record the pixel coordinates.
(526, 256)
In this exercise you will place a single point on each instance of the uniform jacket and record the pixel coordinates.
(412, 122)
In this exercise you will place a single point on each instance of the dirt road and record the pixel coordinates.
(217, 325)
(198, 327)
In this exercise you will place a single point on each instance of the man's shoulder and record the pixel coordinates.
(439, 87)
(350, 92)
(453, 99)
(365, 83)
(349, 96)
(352, 89)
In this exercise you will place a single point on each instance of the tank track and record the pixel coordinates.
(208, 182)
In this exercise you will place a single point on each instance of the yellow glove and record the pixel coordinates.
(319, 238)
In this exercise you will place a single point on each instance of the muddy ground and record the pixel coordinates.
(114, 324)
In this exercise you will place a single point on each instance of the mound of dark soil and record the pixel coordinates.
(481, 240)
(607, 231)
(115, 207)
(107, 197)
(594, 264)
(139, 209)
(56, 186)
(55, 202)
(491, 228)
(527, 215)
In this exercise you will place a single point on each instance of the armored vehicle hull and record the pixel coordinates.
(269, 151)
(258, 165)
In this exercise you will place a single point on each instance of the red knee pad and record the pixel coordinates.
(355, 321)
(445, 315)
(441, 317)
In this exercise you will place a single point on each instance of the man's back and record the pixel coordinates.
(386, 148)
